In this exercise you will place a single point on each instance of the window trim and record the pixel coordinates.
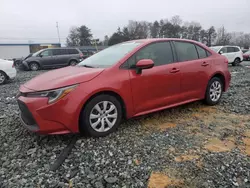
(174, 41)
(127, 66)
(49, 50)
(198, 52)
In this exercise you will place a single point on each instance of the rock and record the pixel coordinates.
(31, 151)
(111, 180)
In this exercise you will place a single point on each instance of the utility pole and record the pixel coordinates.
(58, 32)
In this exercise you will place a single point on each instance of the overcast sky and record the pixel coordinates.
(24, 20)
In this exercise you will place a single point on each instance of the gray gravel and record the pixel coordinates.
(123, 159)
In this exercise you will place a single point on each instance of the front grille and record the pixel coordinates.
(26, 114)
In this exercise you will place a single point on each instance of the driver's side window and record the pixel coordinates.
(160, 53)
(46, 53)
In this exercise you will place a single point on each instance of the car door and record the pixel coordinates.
(61, 57)
(195, 66)
(156, 87)
(46, 58)
(228, 52)
(231, 54)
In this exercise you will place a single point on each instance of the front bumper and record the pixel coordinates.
(33, 121)
(61, 117)
(25, 65)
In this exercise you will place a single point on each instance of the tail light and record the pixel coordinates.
(226, 61)
(81, 55)
(13, 65)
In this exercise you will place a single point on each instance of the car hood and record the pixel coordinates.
(62, 77)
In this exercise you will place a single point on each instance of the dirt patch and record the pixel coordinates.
(158, 180)
(246, 148)
(217, 145)
(184, 158)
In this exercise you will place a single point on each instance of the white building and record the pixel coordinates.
(10, 51)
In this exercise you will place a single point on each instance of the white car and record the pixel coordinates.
(232, 53)
(7, 71)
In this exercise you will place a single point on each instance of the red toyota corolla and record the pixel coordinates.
(123, 81)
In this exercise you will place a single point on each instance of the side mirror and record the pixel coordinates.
(40, 55)
(143, 64)
(221, 52)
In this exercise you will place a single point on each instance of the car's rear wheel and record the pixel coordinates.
(72, 62)
(34, 66)
(214, 91)
(236, 62)
(3, 77)
(101, 116)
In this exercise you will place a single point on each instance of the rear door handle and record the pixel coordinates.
(174, 70)
(204, 64)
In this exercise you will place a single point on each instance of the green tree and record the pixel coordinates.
(155, 29)
(85, 35)
(79, 36)
(73, 37)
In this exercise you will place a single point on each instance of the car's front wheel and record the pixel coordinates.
(214, 91)
(34, 66)
(101, 116)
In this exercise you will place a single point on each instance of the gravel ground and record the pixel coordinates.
(190, 146)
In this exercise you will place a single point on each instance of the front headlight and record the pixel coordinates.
(53, 95)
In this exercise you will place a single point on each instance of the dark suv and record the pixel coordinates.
(52, 58)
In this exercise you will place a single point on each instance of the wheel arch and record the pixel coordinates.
(72, 59)
(106, 92)
(221, 76)
(35, 61)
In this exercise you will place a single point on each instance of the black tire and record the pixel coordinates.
(3, 77)
(73, 63)
(85, 125)
(208, 99)
(34, 66)
(236, 62)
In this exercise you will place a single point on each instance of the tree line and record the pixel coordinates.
(174, 27)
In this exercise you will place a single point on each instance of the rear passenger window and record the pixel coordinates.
(230, 49)
(64, 51)
(186, 51)
(201, 52)
(236, 49)
(73, 51)
(160, 53)
(56, 52)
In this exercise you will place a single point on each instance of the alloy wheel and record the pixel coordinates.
(103, 116)
(34, 67)
(215, 91)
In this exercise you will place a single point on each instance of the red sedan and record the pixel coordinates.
(123, 81)
(246, 56)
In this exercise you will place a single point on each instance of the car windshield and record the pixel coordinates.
(215, 48)
(35, 54)
(109, 56)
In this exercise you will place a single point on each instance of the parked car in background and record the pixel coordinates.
(123, 81)
(7, 71)
(244, 50)
(18, 61)
(87, 53)
(246, 55)
(53, 58)
(232, 53)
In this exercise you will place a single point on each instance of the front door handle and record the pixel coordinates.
(174, 70)
(204, 64)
